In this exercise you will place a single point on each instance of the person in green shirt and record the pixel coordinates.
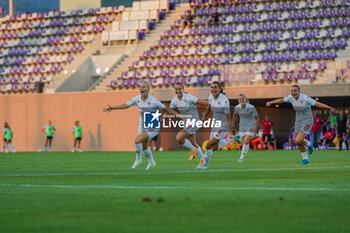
(77, 137)
(8, 136)
(48, 130)
(332, 119)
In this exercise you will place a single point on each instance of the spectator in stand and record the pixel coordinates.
(188, 19)
(328, 136)
(315, 130)
(192, 3)
(341, 130)
(332, 119)
(267, 126)
(214, 18)
(216, 2)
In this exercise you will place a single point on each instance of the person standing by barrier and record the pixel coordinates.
(8, 136)
(267, 126)
(341, 130)
(77, 137)
(315, 130)
(48, 130)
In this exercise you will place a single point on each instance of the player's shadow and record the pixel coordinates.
(99, 137)
(96, 142)
(92, 141)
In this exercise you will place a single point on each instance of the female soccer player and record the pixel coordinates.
(220, 105)
(48, 130)
(248, 123)
(77, 137)
(8, 135)
(145, 103)
(186, 104)
(303, 119)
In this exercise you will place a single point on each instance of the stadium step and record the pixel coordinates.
(138, 50)
(70, 68)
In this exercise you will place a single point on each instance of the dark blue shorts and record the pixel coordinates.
(49, 137)
(77, 138)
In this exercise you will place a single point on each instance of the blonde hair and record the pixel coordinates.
(147, 83)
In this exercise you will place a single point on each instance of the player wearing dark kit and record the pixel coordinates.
(341, 130)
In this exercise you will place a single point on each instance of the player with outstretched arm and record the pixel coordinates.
(303, 119)
(145, 103)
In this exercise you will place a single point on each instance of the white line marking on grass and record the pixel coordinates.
(174, 172)
(174, 187)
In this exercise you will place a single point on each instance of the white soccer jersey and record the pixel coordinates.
(247, 122)
(303, 116)
(186, 105)
(302, 106)
(150, 104)
(220, 107)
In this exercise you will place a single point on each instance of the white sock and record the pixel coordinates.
(307, 143)
(49, 148)
(44, 149)
(6, 148)
(200, 153)
(138, 149)
(13, 147)
(304, 155)
(73, 149)
(245, 149)
(148, 153)
(188, 145)
(223, 143)
(209, 153)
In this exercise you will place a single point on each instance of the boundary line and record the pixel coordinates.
(121, 187)
(173, 172)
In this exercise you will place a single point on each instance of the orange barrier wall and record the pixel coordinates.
(27, 114)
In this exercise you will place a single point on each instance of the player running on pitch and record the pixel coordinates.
(145, 103)
(248, 123)
(303, 119)
(186, 103)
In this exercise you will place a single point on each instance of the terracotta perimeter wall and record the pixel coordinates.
(27, 114)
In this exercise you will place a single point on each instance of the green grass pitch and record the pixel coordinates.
(99, 192)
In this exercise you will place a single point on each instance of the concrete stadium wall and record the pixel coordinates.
(69, 5)
(28, 113)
